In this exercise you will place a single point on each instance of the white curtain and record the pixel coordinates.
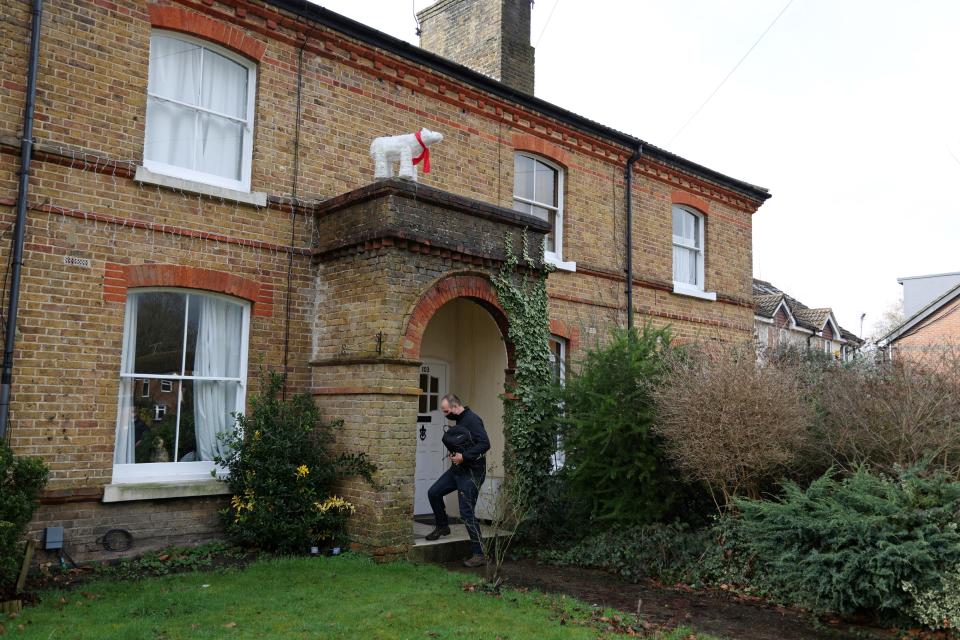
(686, 234)
(126, 410)
(224, 90)
(174, 75)
(185, 137)
(217, 355)
(684, 265)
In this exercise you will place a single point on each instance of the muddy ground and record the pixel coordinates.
(714, 612)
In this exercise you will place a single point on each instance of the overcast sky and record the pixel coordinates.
(848, 111)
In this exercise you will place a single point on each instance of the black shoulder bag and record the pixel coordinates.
(457, 439)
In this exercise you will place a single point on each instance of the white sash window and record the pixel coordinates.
(200, 105)
(538, 191)
(687, 249)
(198, 344)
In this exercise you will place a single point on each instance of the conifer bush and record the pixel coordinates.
(849, 545)
(615, 463)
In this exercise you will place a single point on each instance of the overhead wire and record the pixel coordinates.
(546, 24)
(730, 73)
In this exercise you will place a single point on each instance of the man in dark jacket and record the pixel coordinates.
(465, 475)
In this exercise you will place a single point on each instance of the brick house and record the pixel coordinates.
(201, 200)
(930, 304)
(780, 319)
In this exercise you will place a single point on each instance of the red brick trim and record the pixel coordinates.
(534, 144)
(177, 19)
(687, 198)
(464, 285)
(118, 278)
(369, 60)
(644, 311)
(568, 331)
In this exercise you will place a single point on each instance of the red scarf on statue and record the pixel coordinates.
(424, 155)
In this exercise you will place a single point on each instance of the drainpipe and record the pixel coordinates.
(26, 152)
(629, 240)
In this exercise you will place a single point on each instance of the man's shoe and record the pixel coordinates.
(439, 531)
(476, 560)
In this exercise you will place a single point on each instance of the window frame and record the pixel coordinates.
(699, 289)
(246, 152)
(166, 386)
(144, 387)
(559, 457)
(554, 257)
(180, 471)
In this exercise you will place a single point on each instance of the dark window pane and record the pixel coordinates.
(156, 429)
(159, 344)
(422, 405)
(434, 385)
(423, 382)
(433, 403)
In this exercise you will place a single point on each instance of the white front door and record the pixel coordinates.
(431, 455)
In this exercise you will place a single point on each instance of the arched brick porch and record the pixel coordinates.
(473, 286)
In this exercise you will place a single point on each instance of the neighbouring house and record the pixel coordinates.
(932, 322)
(781, 320)
(201, 202)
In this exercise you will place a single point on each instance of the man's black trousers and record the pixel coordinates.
(466, 482)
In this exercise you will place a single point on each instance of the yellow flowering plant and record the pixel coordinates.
(282, 473)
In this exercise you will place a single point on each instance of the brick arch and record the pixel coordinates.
(474, 287)
(539, 146)
(177, 19)
(118, 278)
(686, 198)
(568, 331)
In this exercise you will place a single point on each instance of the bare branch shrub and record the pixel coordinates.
(730, 421)
(892, 415)
(512, 507)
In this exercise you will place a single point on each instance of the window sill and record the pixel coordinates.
(145, 176)
(686, 290)
(551, 258)
(162, 490)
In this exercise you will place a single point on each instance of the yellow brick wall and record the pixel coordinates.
(91, 104)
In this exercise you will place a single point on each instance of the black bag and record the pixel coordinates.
(457, 439)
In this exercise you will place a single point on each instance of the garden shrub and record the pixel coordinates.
(282, 474)
(891, 415)
(849, 545)
(732, 422)
(615, 462)
(672, 552)
(21, 480)
(939, 606)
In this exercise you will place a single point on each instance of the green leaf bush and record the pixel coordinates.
(671, 552)
(282, 474)
(21, 480)
(530, 404)
(937, 607)
(848, 545)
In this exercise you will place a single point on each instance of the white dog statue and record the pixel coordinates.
(408, 149)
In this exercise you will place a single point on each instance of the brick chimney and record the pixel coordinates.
(489, 36)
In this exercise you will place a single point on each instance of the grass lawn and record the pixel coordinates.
(343, 597)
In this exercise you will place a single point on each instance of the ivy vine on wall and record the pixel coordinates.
(529, 402)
